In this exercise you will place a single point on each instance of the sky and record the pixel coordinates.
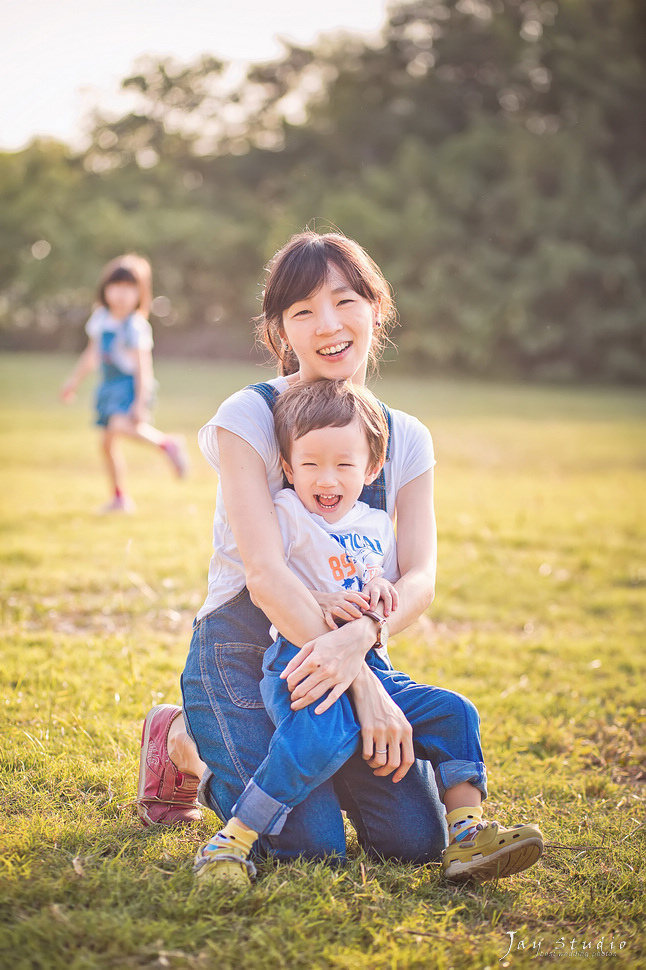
(60, 58)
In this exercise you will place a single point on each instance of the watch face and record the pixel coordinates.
(383, 634)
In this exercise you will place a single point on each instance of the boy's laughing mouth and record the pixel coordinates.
(327, 503)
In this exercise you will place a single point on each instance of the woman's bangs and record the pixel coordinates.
(303, 276)
(352, 274)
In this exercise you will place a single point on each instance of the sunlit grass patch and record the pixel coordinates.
(539, 618)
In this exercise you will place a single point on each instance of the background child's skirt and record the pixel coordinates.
(114, 396)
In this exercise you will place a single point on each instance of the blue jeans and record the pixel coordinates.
(226, 717)
(307, 748)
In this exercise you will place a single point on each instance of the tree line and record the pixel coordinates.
(489, 154)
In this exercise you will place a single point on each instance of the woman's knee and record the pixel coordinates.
(423, 843)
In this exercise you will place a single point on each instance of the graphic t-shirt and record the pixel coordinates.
(343, 555)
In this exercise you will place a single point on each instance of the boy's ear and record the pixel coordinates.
(372, 473)
(289, 474)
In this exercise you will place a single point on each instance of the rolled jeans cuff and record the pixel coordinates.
(451, 773)
(262, 813)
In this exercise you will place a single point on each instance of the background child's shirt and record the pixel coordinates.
(119, 340)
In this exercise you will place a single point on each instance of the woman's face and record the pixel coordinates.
(331, 331)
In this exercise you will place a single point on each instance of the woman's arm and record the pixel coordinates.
(273, 587)
(416, 551)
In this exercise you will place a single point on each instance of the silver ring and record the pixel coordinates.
(385, 751)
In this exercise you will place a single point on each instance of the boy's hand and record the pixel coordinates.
(348, 605)
(68, 392)
(380, 589)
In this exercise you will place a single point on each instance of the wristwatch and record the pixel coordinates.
(382, 628)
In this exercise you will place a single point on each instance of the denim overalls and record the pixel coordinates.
(116, 392)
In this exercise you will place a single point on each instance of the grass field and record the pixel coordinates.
(539, 618)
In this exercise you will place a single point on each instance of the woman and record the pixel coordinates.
(326, 311)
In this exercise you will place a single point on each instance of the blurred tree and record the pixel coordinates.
(488, 153)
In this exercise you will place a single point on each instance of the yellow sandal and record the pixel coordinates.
(493, 853)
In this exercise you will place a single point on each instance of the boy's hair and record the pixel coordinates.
(309, 406)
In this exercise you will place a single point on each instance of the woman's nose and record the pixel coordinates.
(329, 322)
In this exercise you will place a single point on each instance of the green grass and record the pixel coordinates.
(539, 618)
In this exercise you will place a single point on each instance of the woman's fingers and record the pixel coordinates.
(333, 696)
(296, 661)
(308, 693)
(388, 756)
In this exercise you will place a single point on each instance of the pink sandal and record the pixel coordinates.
(165, 796)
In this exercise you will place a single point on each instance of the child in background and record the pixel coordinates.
(333, 439)
(120, 340)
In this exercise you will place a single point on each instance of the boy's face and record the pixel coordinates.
(329, 468)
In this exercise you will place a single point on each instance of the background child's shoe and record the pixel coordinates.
(493, 852)
(175, 448)
(120, 503)
(165, 796)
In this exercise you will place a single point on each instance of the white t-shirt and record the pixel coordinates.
(118, 340)
(247, 415)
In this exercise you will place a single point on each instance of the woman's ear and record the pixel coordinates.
(372, 473)
(289, 474)
(377, 309)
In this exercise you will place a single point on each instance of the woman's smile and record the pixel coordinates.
(336, 350)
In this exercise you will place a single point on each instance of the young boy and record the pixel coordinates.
(333, 439)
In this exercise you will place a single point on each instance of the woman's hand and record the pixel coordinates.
(344, 605)
(386, 735)
(328, 663)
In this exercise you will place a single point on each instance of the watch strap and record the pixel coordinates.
(380, 620)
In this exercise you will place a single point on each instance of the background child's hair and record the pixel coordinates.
(129, 268)
(300, 268)
(318, 404)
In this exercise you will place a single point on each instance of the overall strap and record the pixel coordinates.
(267, 392)
(374, 494)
